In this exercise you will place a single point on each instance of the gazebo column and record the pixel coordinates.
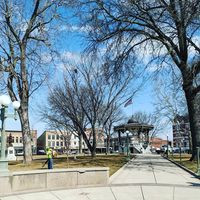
(139, 132)
(148, 136)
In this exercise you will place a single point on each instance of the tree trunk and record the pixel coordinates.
(26, 134)
(190, 143)
(108, 144)
(94, 145)
(120, 142)
(94, 142)
(194, 118)
(85, 138)
(80, 144)
(93, 152)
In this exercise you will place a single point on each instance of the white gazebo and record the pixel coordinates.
(134, 136)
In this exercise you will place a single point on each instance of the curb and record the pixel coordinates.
(183, 167)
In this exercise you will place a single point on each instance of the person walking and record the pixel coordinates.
(49, 157)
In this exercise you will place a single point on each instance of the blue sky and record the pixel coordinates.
(143, 101)
(72, 45)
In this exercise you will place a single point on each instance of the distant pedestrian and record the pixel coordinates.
(49, 152)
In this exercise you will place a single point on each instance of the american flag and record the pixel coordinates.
(129, 102)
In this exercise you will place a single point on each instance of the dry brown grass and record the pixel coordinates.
(185, 161)
(114, 162)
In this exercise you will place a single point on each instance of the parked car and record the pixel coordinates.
(159, 151)
(87, 152)
(73, 152)
(183, 150)
(19, 153)
(164, 148)
(41, 152)
(153, 150)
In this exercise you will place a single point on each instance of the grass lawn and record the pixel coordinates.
(114, 162)
(185, 161)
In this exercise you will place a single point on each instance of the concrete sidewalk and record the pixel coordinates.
(154, 169)
(148, 177)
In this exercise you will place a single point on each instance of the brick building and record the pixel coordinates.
(157, 143)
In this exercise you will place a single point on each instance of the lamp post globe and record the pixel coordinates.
(5, 100)
(16, 105)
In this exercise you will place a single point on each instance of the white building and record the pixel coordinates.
(55, 139)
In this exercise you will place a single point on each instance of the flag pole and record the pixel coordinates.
(132, 109)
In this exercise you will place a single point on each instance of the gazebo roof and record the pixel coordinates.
(131, 125)
(130, 121)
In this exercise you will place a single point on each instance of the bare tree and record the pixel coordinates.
(115, 116)
(66, 136)
(61, 126)
(151, 119)
(85, 98)
(24, 34)
(170, 104)
(10, 140)
(169, 98)
(55, 117)
(103, 95)
(65, 109)
(64, 133)
(167, 31)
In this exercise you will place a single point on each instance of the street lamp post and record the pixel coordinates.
(4, 102)
(198, 162)
(167, 146)
(127, 144)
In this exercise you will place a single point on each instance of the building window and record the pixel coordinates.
(57, 137)
(57, 144)
(17, 140)
(61, 144)
(74, 143)
(185, 144)
(49, 137)
(20, 140)
(49, 144)
(53, 137)
(53, 144)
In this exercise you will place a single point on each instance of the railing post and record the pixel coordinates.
(180, 154)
